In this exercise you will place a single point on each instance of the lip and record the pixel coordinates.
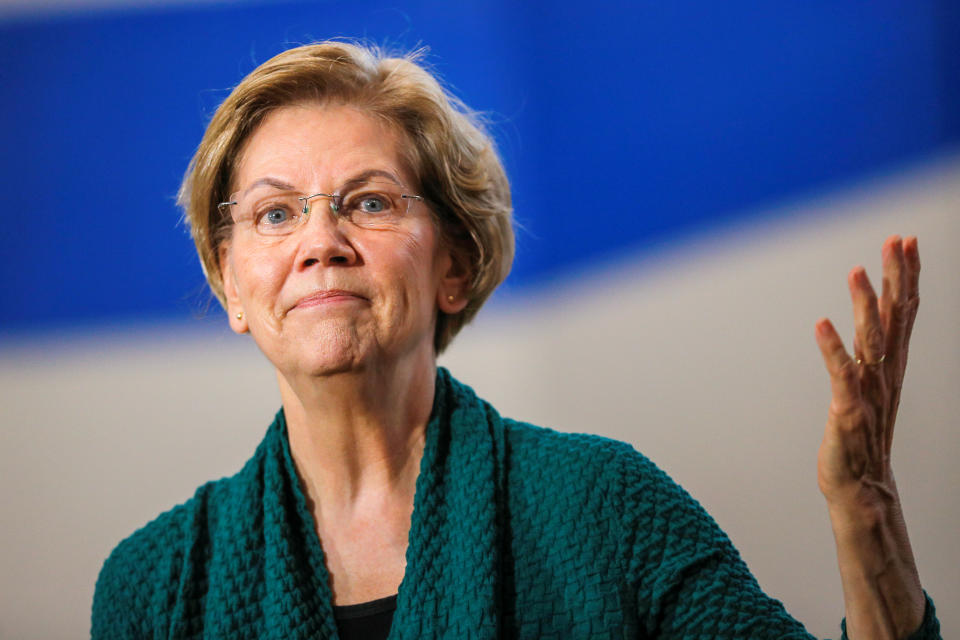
(327, 296)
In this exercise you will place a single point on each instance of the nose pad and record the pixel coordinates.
(322, 238)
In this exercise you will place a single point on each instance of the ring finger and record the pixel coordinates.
(869, 339)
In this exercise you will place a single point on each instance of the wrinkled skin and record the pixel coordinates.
(854, 461)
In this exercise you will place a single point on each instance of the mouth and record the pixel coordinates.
(328, 296)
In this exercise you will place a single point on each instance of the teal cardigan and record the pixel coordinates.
(517, 531)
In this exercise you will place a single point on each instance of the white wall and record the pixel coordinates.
(702, 356)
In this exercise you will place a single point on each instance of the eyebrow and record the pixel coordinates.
(269, 182)
(372, 173)
(276, 183)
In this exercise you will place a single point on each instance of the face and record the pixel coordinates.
(335, 296)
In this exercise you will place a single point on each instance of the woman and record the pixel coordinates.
(352, 217)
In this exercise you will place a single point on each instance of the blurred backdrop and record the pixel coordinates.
(692, 181)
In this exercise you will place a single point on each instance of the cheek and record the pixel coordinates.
(420, 272)
(259, 280)
(405, 268)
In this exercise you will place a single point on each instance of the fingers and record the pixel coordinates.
(891, 282)
(870, 347)
(865, 393)
(901, 264)
(911, 255)
(893, 304)
(844, 378)
(870, 335)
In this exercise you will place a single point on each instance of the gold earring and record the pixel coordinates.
(240, 316)
(449, 298)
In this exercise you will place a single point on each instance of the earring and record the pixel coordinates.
(240, 316)
(449, 298)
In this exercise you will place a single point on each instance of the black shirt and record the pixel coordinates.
(367, 620)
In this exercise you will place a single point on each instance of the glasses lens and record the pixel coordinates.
(368, 204)
(269, 212)
(372, 203)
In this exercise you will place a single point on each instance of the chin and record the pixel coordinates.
(319, 350)
(333, 352)
(330, 348)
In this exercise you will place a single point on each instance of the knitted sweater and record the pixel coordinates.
(517, 531)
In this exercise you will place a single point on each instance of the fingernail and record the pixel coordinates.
(821, 326)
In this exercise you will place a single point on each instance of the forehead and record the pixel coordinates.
(314, 145)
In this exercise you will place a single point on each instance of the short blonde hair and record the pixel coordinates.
(450, 152)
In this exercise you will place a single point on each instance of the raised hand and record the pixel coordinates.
(881, 586)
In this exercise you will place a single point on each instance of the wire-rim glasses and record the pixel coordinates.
(274, 209)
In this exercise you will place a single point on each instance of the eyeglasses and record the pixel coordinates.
(273, 211)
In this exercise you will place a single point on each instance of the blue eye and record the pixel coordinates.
(273, 214)
(275, 217)
(373, 204)
(277, 220)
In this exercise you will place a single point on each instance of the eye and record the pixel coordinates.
(276, 219)
(274, 216)
(374, 204)
(370, 204)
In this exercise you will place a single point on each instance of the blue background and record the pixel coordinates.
(622, 126)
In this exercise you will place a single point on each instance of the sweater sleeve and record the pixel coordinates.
(117, 604)
(137, 590)
(689, 580)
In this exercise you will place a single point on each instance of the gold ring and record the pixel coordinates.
(873, 364)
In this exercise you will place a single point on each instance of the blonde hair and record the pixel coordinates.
(450, 152)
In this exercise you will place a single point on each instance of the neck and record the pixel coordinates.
(358, 436)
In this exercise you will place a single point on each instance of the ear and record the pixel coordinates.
(454, 290)
(235, 313)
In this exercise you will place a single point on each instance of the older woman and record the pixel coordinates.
(352, 217)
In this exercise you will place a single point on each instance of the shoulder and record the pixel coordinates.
(610, 466)
(141, 580)
(609, 488)
(654, 532)
(128, 582)
(553, 477)
(138, 580)
(576, 477)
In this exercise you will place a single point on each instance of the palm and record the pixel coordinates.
(882, 591)
(853, 465)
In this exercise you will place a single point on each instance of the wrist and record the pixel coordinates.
(882, 589)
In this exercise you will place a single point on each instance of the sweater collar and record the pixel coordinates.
(451, 585)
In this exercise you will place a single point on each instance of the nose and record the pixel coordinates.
(322, 239)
